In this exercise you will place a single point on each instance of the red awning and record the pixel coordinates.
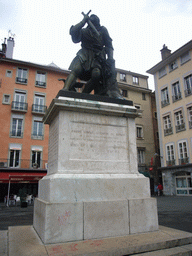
(5, 177)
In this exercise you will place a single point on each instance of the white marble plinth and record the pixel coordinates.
(93, 188)
(64, 222)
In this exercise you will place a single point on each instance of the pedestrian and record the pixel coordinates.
(160, 189)
(156, 190)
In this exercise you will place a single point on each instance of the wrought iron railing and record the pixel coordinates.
(168, 131)
(23, 163)
(39, 83)
(184, 160)
(170, 162)
(19, 106)
(164, 103)
(180, 127)
(21, 80)
(176, 97)
(188, 92)
(41, 109)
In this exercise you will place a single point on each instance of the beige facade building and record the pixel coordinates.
(134, 87)
(173, 87)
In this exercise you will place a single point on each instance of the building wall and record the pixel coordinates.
(166, 82)
(8, 87)
(177, 169)
(141, 97)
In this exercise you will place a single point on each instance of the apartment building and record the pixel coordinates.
(134, 87)
(173, 88)
(26, 89)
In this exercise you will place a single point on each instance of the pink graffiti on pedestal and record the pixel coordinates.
(63, 219)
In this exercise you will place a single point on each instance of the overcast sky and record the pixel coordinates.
(139, 28)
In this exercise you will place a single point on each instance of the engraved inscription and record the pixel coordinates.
(98, 142)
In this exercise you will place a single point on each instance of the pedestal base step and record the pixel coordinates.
(24, 241)
(65, 222)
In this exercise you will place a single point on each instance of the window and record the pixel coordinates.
(122, 77)
(179, 121)
(124, 93)
(139, 132)
(141, 156)
(185, 57)
(173, 66)
(188, 85)
(14, 158)
(37, 132)
(189, 111)
(176, 91)
(17, 124)
(164, 97)
(162, 72)
(19, 102)
(36, 159)
(41, 79)
(167, 125)
(21, 75)
(170, 154)
(143, 96)
(14, 155)
(39, 104)
(184, 183)
(135, 80)
(8, 73)
(183, 152)
(6, 99)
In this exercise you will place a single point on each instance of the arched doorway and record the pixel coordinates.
(183, 183)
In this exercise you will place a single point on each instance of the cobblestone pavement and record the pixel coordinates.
(173, 212)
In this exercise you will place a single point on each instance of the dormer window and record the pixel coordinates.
(122, 77)
(135, 80)
(173, 66)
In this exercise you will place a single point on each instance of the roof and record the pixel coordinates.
(131, 73)
(53, 67)
(170, 58)
(50, 67)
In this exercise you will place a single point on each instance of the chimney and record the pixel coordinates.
(10, 45)
(4, 46)
(165, 52)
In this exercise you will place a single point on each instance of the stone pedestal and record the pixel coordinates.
(93, 188)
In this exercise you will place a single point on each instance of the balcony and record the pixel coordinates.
(176, 97)
(184, 160)
(188, 92)
(40, 84)
(24, 163)
(164, 103)
(39, 109)
(171, 162)
(168, 131)
(180, 127)
(21, 80)
(19, 106)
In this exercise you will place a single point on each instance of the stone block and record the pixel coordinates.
(61, 188)
(56, 223)
(143, 215)
(106, 219)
